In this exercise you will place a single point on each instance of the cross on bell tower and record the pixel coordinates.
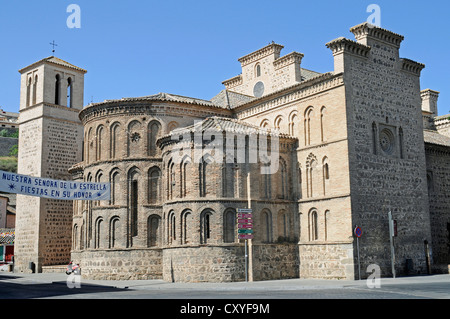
(53, 44)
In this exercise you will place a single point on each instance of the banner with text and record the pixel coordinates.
(53, 189)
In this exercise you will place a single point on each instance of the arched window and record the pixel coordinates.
(322, 123)
(325, 174)
(185, 172)
(327, 220)
(114, 140)
(311, 164)
(115, 187)
(266, 226)
(283, 179)
(401, 146)
(35, 89)
(308, 116)
(265, 124)
(283, 225)
(170, 179)
(154, 185)
(171, 224)
(185, 224)
(374, 138)
(113, 231)
(153, 230)
(75, 243)
(28, 92)
(229, 227)
(154, 129)
(266, 182)
(88, 142)
(313, 225)
(258, 70)
(203, 172)
(57, 89)
(134, 139)
(278, 124)
(99, 143)
(300, 180)
(133, 191)
(69, 93)
(293, 124)
(98, 179)
(98, 234)
(205, 226)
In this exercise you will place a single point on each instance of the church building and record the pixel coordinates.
(314, 155)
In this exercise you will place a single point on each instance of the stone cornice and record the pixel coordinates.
(343, 45)
(143, 107)
(365, 30)
(296, 92)
(412, 66)
(429, 92)
(293, 57)
(436, 149)
(442, 121)
(272, 48)
(233, 82)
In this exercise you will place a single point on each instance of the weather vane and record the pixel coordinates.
(54, 45)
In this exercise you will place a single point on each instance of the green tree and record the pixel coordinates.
(14, 151)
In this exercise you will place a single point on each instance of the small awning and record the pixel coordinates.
(7, 236)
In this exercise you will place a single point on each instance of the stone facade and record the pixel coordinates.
(350, 146)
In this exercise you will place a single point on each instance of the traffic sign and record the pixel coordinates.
(245, 216)
(245, 210)
(358, 232)
(242, 236)
(245, 226)
(245, 221)
(245, 231)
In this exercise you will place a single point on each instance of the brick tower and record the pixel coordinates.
(50, 143)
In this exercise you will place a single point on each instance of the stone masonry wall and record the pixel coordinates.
(120, 264)
(438, 177)
(336, 261)
(386, 149)
(226, 263)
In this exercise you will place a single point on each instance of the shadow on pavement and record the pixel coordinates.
(31, 290)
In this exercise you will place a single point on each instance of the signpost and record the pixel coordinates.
(245, 231)
(392, 234)
(358, 234)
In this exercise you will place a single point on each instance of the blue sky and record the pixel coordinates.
(137, 47)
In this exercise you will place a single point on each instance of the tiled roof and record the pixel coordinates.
(308, 74)
(433, 137)
(162, 97)
(57, 61)
(229, 99)
(223, 124)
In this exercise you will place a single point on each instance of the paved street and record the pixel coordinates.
(269, 299)
(55, 286)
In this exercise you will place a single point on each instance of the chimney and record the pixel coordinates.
(429, 101)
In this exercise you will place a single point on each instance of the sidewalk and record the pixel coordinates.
(290, 284)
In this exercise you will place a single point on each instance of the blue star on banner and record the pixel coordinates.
(12, 187)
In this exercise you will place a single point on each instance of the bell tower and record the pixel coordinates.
(52, 94)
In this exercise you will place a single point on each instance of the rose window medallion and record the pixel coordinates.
(387, 141)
